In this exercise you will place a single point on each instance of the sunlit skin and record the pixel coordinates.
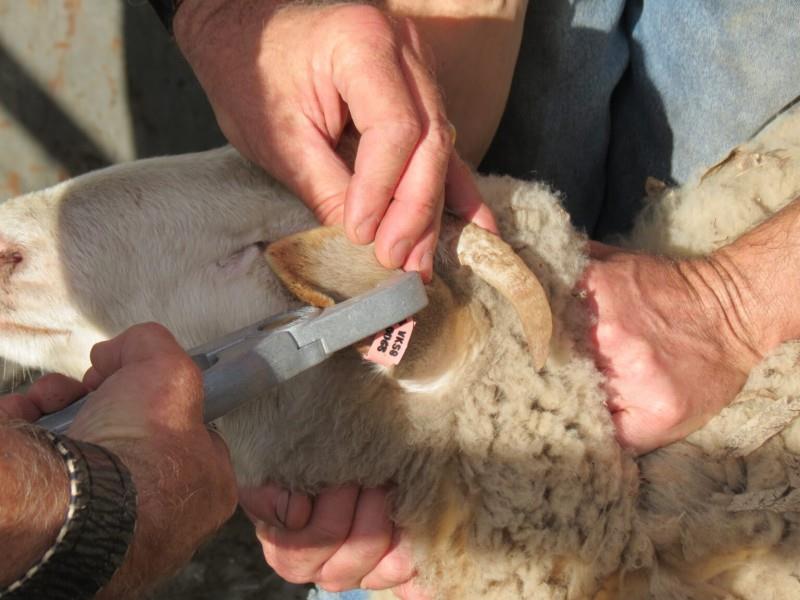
(147, 409)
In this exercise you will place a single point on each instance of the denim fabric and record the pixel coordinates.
(320, 594)
(607, 92)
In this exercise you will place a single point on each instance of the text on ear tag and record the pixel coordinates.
(390, 344)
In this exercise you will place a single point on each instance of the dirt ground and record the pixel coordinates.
(230, 567)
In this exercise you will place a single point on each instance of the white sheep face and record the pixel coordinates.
(39, 326)
(82, 260)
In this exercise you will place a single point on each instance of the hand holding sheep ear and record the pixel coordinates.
(284, 82)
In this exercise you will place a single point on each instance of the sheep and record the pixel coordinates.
(506, 477)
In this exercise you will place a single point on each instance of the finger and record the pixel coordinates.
(146, 365)
(54, 392)
(419, 197)
(298, 556)
(316, 174)
(93, 379)
(395, 568)
(15, 406)
(463, 198)
(368, 541)
(139, 343)
(276, 506)
(422, 255)
(48, 394)
(411, 591)
(390, 128)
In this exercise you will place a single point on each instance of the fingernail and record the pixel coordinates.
(399, 253)
(426, 263)
(365, 231)
(282, 507)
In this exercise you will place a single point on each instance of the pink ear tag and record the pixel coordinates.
(391, 344)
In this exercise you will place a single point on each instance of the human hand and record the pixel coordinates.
(146, 407)
(342, 539)
(285, 81)
(670, 338)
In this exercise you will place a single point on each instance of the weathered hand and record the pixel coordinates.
(285, 80)
(47, 394)
(342, 539)
(146, 407)
(671, 341)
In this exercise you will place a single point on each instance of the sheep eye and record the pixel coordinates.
(241, 260)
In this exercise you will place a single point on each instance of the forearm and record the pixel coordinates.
(755, 280)
(175, 514)
(765, 264)
(475, 45)
(34, 494)
(172, 517)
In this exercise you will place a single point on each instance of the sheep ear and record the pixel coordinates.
(322, 267)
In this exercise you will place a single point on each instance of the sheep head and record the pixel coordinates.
(177, 240)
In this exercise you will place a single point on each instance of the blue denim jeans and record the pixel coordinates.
(320, 594)
(608, 92)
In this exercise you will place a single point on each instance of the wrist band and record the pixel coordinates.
(166, 9)
(98, 530)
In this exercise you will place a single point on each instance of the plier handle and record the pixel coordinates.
(241, 365)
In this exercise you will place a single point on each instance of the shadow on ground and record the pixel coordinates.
(230, 566)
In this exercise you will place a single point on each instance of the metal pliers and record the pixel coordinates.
(241, 365)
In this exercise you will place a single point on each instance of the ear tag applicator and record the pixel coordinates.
(239, 366)
(390, 345)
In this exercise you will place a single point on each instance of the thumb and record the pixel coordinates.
(631, 433)
(410, 590)
(276, 506)
(48, 394)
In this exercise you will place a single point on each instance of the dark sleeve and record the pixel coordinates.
(165, 9)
